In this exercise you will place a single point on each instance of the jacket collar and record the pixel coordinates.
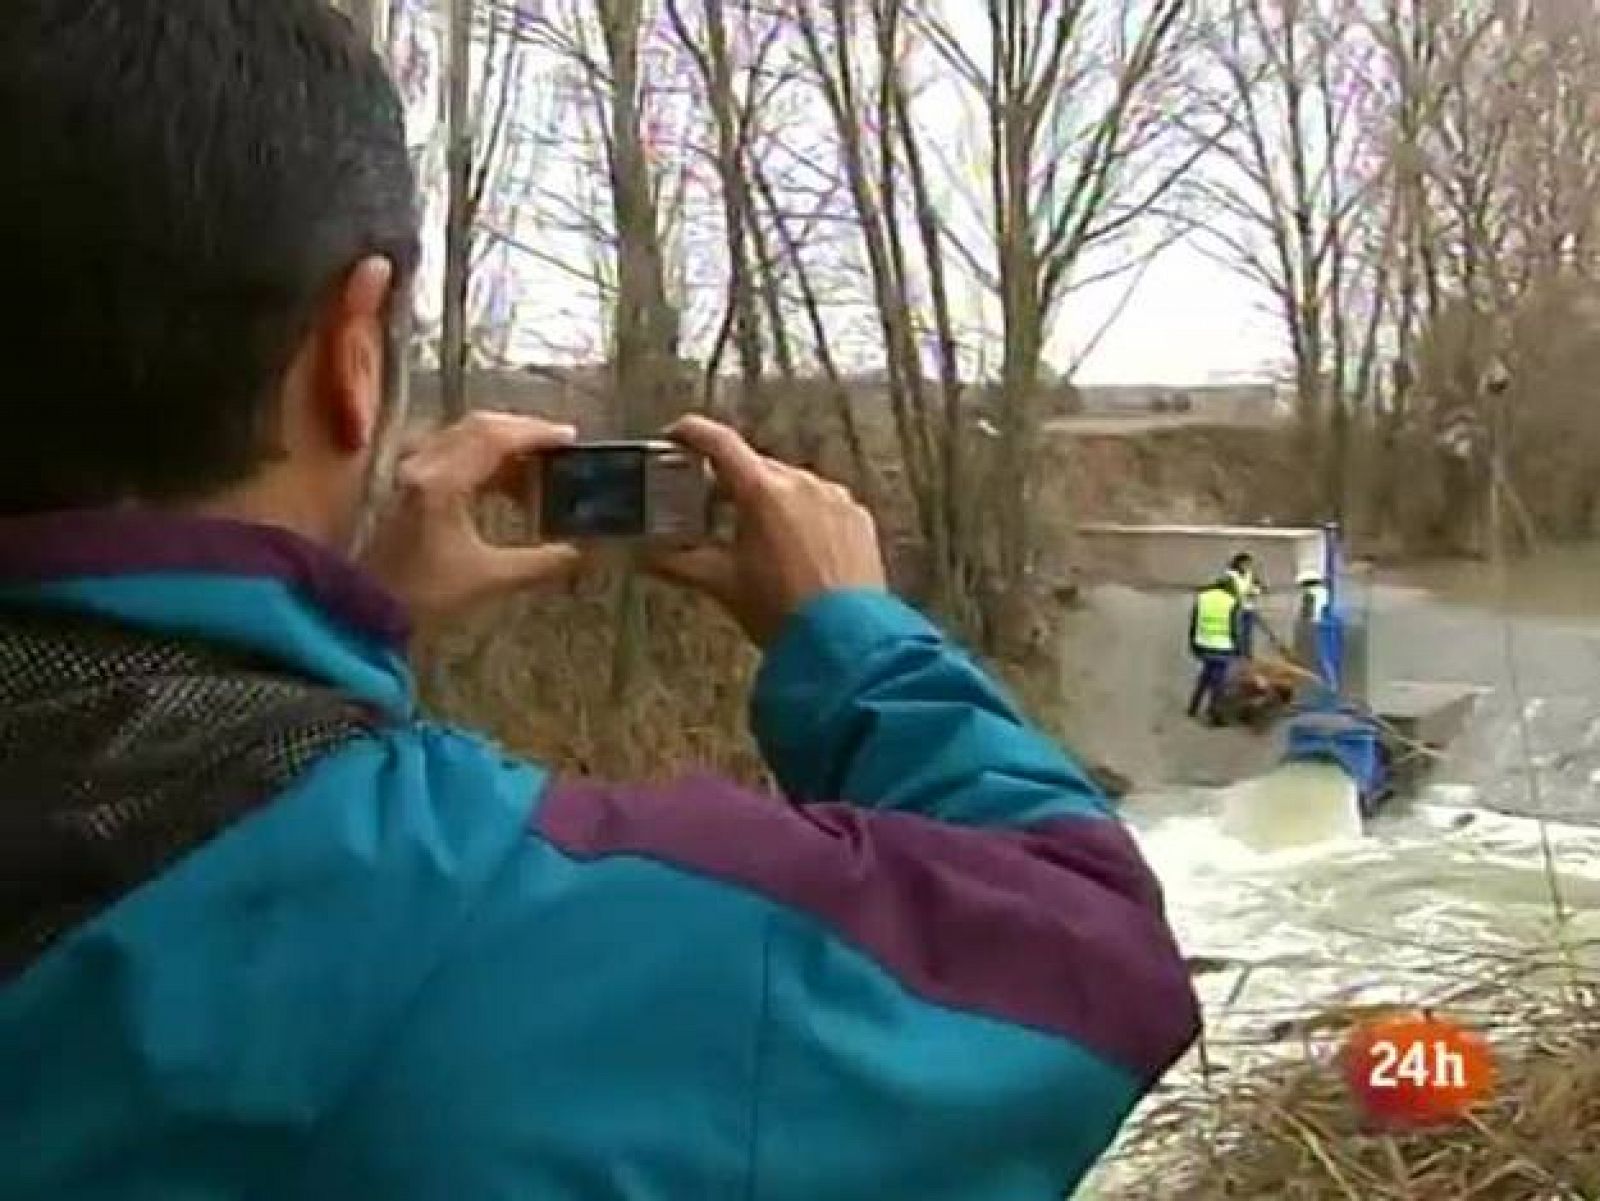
(258, 588)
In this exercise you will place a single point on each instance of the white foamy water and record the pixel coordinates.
(1427, 903)
(1391, 916)
(1295, 805)
(1286, 910)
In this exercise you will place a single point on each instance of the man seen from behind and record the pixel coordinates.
(268, 932)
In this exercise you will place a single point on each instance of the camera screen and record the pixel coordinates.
(594, 493)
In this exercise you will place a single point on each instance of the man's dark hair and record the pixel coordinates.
(1242, 560)
(186, 182)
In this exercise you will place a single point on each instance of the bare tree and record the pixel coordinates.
(645, 358)
(732, 110)
(856, 60)
(622, 225)
(1411, 37)
(746, 78)
(1062, 183)
(458, 213)
(788, 260)
(1290, 187)
(1495, 163)
(1077, 106)
(1544, 281)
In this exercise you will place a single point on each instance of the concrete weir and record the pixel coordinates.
(1432, 713)
(1347, 750)
(1187, 556)
(1421, 719)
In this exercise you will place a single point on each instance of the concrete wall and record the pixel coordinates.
(1177, 556)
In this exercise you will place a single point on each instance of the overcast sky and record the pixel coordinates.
(1188, 322)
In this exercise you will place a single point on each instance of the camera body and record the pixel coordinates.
(649, 489)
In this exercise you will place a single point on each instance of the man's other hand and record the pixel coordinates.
(428, 548)
(797, 536)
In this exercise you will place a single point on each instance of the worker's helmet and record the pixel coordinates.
(1308, 576)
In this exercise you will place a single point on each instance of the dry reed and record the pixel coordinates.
(1278, 1122)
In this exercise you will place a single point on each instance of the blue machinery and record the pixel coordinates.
(1326, 727)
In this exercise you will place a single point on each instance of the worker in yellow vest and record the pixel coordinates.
(1214, 639)
(1248, 588)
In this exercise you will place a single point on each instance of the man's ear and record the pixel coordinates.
(350, 369)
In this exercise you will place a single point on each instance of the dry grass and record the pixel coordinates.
(1282, 1127)
(536, 674)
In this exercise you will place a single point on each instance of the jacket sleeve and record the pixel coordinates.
(863, 700)
(940, 970)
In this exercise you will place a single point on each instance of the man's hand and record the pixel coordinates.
(797, 535)
(427, 547)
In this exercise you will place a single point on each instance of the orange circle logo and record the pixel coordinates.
(1417, 1070)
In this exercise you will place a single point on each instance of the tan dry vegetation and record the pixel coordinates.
(1283, 1127)
(1224, 474)
(535, 673)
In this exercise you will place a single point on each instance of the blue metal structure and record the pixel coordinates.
(1325, 727)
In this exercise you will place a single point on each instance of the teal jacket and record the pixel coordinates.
(938, 969)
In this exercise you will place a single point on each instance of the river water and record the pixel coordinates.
(1491, 869)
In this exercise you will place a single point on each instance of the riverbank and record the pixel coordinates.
(1479, 898)
(1287, 1132)
(1489, 919)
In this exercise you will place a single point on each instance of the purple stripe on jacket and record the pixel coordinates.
(102, 542)
(1058, 927)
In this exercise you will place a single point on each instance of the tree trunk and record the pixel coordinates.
(645, 332)
(645, 326)
(458, 219)
(865, 479)
(737, 211)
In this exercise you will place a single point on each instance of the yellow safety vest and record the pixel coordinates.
(1213, 621)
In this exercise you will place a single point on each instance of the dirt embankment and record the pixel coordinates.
(1191, 474)
(1116, 469)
